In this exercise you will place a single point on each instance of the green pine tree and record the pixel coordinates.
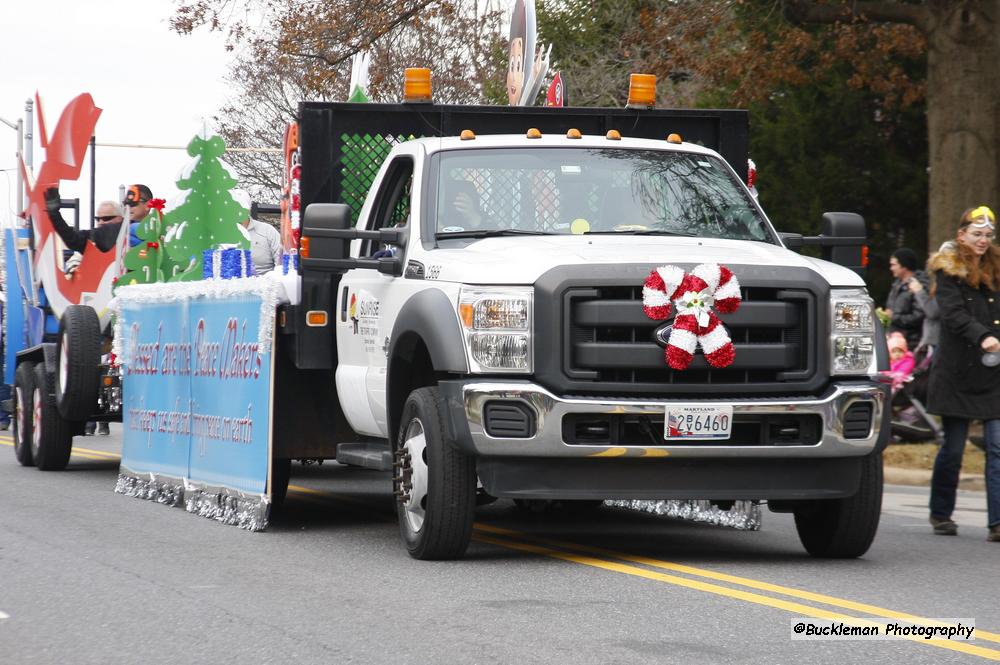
(207, 217)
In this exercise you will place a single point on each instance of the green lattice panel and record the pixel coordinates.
(361, 158)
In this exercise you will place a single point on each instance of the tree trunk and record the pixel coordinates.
(963, 111)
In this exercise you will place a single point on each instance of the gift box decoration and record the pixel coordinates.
(227, 263)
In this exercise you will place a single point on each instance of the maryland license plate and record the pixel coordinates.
(697, 422)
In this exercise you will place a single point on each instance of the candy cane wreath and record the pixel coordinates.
(694, 294)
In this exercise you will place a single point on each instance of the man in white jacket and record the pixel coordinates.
(265, 241)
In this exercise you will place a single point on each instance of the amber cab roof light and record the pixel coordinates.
(417, 85)
(574, 133)
(675, 138)
(534, 133)
(641, 91)
(614, 135)
(467, 135)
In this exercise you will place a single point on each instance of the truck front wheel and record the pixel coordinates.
(844, 528)
(434, 482)
(79, 353)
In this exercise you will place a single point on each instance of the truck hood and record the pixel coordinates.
(522, 260)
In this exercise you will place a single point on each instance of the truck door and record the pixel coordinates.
(366, 310)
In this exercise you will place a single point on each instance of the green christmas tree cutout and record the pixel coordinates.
(206, 216)
(144, 263)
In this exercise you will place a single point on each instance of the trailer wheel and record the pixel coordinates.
(24, 389)
(434, 482)
(844, 528)
(79, 353)
(52, 435)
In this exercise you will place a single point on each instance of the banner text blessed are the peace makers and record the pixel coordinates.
(233, 358)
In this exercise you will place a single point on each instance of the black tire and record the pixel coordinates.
(52, 435)
(844, 528)
(78, 354)
(24, 389)
(281, 470)
(435, 482)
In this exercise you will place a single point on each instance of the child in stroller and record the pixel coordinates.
(909, 373)
(901, 361)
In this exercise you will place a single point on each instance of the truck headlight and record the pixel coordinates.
(852, 334)
(497, 326)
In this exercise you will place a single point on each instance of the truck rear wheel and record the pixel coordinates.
(434, 482)
(51, 435)
(24, 393)
(844, 528)
(79, 356)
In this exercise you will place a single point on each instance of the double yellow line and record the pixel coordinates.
(86, 453)
(698, 579)
(611, 560)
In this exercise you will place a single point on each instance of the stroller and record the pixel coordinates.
(910, 420)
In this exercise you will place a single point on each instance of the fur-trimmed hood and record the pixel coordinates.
(959, 263)
(948, 261)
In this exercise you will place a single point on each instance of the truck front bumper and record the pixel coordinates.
(540, 463)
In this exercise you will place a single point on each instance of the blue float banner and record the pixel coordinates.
(230, 391)
(197, 387)
(156, 413)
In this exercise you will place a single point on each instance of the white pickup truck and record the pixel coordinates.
(482, 330)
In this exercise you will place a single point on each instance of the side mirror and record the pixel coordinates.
(319, 230)
(848, 229)
(842, 240)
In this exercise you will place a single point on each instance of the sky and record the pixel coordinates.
(155, 87)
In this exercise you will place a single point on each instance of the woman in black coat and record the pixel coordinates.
(963, 388)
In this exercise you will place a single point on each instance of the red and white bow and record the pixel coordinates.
(694, 294)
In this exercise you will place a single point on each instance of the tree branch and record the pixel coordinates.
(801, 11)
(362, 41)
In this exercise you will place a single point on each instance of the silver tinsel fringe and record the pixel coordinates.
(169, 492)
(228, 506)
(744, 515)
(247, 511)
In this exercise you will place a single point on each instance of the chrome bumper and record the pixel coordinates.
(466, 400)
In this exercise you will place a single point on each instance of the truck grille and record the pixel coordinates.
(612, 339)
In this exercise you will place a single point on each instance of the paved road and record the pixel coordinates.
(88, 576)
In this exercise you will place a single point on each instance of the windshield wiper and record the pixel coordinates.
(641, 232)
(489, 233)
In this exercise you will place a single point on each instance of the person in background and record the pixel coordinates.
(901, 309)
(104, 234)
(901, 360)
(962, 386)
(930, 330)
(265, 240)
(137, 200)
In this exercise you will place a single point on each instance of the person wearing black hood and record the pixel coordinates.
(901, 307)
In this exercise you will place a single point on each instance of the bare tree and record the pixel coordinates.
(292, 51)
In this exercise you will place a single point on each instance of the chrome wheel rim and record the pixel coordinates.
(413, 475)
(36, 421)
(63, 365)
(19, 415)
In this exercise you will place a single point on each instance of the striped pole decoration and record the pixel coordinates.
(694, 295)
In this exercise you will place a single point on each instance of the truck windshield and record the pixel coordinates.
(593, 190)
